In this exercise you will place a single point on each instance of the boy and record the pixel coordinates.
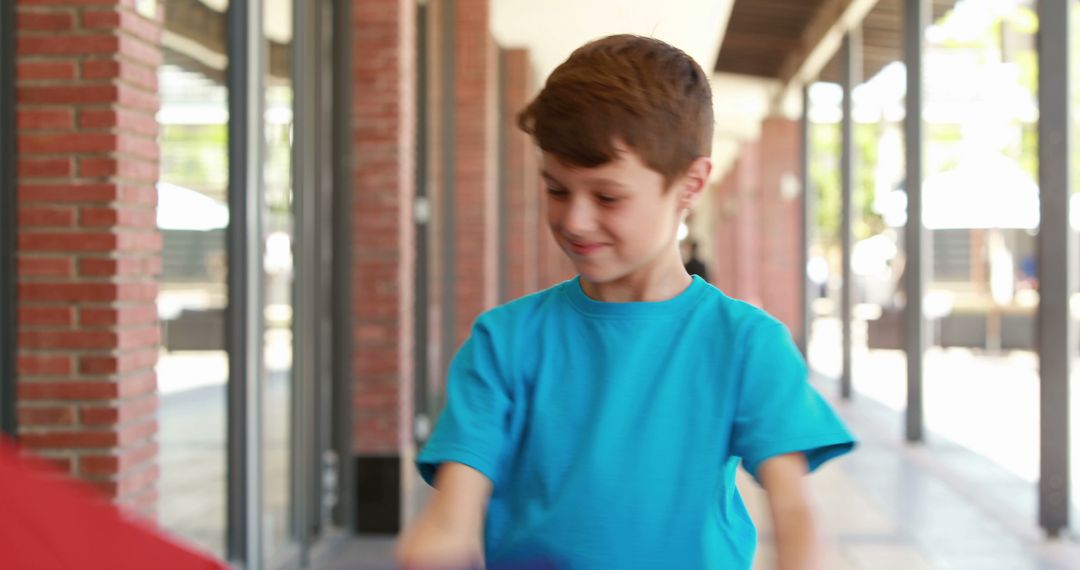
(598, 424)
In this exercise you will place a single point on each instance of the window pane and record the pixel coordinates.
(981, 201)
(278, 266)
(193, 215)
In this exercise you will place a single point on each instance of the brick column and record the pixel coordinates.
(756, 236)
(746, 249)
(475, 107)
(546, 251)
(552, 262)
(554, 266)
(89, 252)
(383, 114)
(780, 222)
(523, 193)
(725, 208)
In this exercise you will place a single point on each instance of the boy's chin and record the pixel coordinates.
(598, 276)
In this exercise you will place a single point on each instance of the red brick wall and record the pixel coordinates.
(781, 223)
(748, 226)
(523, 196)
(545, 246)
(383, 114)
(88, 249)
(757, 230)
(475, 85)
(725, 219)
(554, 265)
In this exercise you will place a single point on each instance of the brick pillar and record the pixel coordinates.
(89, 251)
(780, 222)
(756, 237)
(545, 245)
(555, 267)
(523, 195)
(725, 205)
(383, 114)
(736, 246)
(475, 106)
(746, 250)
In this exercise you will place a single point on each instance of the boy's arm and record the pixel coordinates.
(448, 534)
(798, 540)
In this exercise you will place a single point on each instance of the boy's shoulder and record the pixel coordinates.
(739, 315)
(511, 313)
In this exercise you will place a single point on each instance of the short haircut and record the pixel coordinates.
(647, 94)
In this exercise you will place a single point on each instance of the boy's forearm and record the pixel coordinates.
(798, 541)
(449, 532)
(799, 544)
(460, 499)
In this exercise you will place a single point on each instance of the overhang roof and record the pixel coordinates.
(779, 39)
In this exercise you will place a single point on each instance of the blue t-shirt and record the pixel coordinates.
(612, 431)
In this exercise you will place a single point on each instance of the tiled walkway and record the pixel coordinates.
(893, 506)
(887, 506)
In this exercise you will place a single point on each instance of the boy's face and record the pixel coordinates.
(616, 221)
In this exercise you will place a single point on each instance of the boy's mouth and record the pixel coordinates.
(584, 248)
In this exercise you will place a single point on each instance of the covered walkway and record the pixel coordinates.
(890, 506)
(241, 240)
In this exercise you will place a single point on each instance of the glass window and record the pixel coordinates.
(193, 215)
(1074, 219)
(278, 278)
(981, 209)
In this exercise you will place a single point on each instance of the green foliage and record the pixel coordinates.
(196, 156)
(825, 178)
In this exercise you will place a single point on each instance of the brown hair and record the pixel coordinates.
(641, 91)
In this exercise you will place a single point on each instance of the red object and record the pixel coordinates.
(50, 522)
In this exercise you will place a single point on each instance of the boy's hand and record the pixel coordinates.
(448, 534)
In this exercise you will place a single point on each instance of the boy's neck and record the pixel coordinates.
(663, 281)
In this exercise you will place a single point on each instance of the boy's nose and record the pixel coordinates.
(578, 218)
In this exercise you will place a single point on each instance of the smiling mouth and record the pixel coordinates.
(584, 248)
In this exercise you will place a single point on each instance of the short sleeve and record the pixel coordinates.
(473, 426)
(778, 411)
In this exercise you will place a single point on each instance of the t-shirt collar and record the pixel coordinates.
(674, 306)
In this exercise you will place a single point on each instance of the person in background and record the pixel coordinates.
(693, 264)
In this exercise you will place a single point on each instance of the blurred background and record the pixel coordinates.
(240, 241)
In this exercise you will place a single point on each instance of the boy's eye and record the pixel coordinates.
(557, 193)
(607, 199)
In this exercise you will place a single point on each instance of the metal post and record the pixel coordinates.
(245, 300)
(448, 237)
(8, 220)
(1057, 264)
(807, 224)
(422, 218)
(324, 492)
(916, 267)
(344, 374)
(304, 448)
(850, 63)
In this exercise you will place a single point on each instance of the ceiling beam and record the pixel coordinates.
(821, 39)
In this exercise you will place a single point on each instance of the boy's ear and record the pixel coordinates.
(694, 182)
